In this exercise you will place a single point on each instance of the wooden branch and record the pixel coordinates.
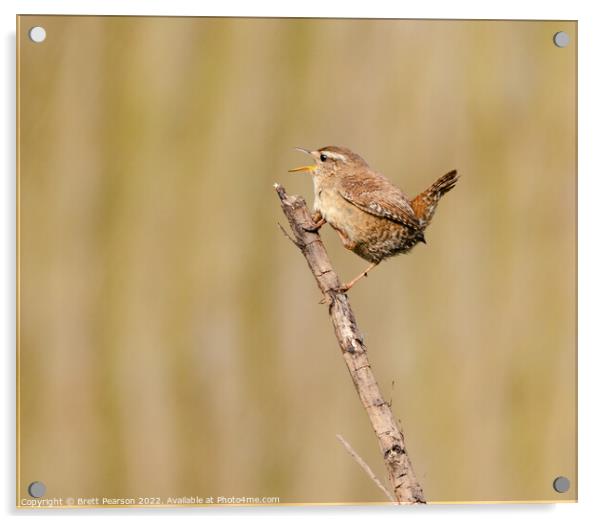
(363, 464)
(403, 480)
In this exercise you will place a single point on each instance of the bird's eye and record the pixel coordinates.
(323, 157)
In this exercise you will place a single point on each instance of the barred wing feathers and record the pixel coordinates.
(373, 193)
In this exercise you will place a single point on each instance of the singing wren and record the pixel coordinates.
(374, 219)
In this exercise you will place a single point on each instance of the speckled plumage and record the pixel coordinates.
(373, 218)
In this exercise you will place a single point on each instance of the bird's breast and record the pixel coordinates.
(337, 211)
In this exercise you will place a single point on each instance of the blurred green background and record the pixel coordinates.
(171, 340)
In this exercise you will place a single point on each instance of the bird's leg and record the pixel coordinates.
(349, 244)
(349, 285)
(317, 222)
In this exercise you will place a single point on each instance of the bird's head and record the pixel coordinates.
(330, 160)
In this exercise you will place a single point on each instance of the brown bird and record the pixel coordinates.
(373, 218)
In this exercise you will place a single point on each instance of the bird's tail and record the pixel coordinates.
(425, 203)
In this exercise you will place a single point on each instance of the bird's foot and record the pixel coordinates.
(343, 288)
(328, 296)
(315, 225)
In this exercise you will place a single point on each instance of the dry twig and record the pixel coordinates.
(365, 467)
(406, 488)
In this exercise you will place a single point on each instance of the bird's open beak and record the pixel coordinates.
(303, 169)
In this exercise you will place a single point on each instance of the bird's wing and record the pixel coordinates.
(374, 194)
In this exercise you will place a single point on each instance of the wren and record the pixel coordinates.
(374, 218)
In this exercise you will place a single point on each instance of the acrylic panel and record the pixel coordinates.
(172, 347)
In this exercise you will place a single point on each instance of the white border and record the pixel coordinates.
(590, 262)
